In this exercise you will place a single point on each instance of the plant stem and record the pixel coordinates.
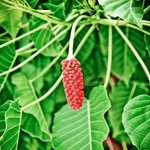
(109, 57)
(113, 22)
(134, 52)
(27, 51)
(124, 146)
(33, 12)
(138, 29)
(147, 9)
(24, 35)
(132, 90)
(70, 54)
(143, 4)
(3, 34)
(5, 78)
(56, 58)
(24, 47)
(45, 95)
(35, 54)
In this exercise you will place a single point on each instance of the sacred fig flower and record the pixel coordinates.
(73, 82)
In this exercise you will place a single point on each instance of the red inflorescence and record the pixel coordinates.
(73, 82)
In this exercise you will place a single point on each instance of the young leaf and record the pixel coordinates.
(136, 121)
(10, 137)
(26, 93)
(125, 9)
(85, 128)
(10, 19)
(119, 96)
(7, 56)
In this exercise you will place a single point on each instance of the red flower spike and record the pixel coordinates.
(73, 82)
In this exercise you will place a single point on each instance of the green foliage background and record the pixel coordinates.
(112, 43)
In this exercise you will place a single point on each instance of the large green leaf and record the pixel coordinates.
(42, 37)
(10, 19)
(85, 128)
(126, 9)
(119, 96)
(34, 114)
(7, 55)
(124, 62)
(136, 120)
(10, 137)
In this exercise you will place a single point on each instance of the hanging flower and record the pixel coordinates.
(73, 82)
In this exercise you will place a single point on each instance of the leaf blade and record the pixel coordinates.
(125, 9)
(136, 121)
(25, 92)
(13, 117)
(82, 123)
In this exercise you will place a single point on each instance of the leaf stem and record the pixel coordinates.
(35, 54)
(109, 57)
(138, 29)
(70, 54)
(134, 52)
(147, 9)
(45, 95)
(124, 146)
(132, 91)
(5, 78)
(27, 51)
(3, 34)
(24, 35)
(24, 47)
(33, 12)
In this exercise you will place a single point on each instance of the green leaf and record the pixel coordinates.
(85, 128)
(26, 93)
(42, 37)
(10, 19)
(28, 143)
(10, 137)
(136, 120)
(33, 2)
(125, 9)
(124, 62)
(33, 69)
(87, 47)
(7, 56)
(3, 109)
(119, 96)
(58, 10)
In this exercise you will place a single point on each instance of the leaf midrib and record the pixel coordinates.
(89, 123)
